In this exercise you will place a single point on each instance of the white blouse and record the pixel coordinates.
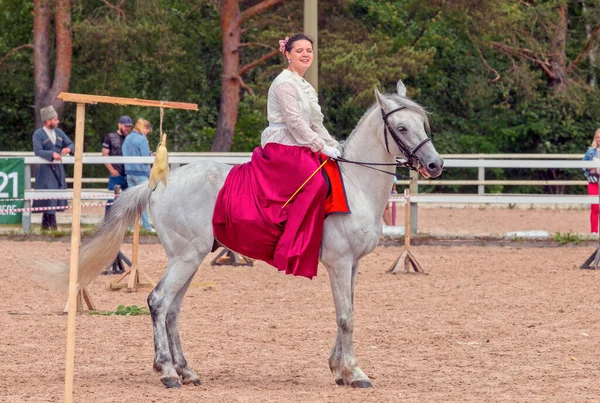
(294, 114)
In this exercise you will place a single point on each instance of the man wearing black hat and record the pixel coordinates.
(111, 146)
(50, 143)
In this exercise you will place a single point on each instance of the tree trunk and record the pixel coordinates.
(231, 80)
(41, 55)
(588, 33)
(230, 85)
(46, 89)
(558, 56)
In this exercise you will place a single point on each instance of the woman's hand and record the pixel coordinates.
(331, 152)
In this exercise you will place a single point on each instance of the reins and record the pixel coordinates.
(397, 164)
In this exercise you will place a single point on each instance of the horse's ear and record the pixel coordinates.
(379, 98)
(401, 88)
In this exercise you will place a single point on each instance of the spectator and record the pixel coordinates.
(50, 143)
(136, 145)
(111, 146)
(593, 154)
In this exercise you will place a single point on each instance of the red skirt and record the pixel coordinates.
(249, 217)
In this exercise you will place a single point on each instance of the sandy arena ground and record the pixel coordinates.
(494, 323)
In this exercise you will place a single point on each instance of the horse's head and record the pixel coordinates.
(405, 132)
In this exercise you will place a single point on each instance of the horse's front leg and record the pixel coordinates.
(342, 360)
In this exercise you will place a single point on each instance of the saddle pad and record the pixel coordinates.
(336, 202)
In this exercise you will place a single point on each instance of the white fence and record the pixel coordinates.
(479, 161)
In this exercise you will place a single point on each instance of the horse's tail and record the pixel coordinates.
(98, 252)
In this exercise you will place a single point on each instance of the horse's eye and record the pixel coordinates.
(401, 128)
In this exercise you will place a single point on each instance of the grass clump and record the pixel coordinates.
(132, 310)
(567, 237)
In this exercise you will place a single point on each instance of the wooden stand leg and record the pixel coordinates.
(228, 257)
(83, 299)
(407, 258)
(133, 271)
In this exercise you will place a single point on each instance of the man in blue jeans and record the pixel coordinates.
(136, 145)
(111, 146)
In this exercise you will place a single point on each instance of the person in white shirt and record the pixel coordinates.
(255, 193)
(50, 143)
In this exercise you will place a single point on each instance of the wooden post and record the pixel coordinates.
(414, 207)
(134, 277)
(406, 259)
(481, 177)
(311, 28)
(75, 239)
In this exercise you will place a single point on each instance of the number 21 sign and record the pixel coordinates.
(12, 189)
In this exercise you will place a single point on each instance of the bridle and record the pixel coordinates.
(411, 161)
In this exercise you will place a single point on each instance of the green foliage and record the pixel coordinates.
(457, 58)
(123, 310)
(16, 90)
(566, 238)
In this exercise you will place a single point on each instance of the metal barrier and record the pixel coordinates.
(479, 161)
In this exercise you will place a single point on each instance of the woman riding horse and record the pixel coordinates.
(255, 193)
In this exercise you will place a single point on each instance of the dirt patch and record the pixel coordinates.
(487, 324)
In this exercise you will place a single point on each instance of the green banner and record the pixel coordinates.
(12, 186)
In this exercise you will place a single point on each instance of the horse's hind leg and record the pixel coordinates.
(164, 306)
(188, 376)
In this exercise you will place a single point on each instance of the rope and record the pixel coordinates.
(88, 197)
(22, 210)
(398, 164)
(162, 113)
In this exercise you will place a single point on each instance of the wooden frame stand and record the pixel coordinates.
(594, 259)
(83, 299)
(227, 257)
(407, 259)
(81, 100)
(133, 271)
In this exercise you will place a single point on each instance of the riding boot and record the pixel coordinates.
(45, 221)
(52, 219)
(49, 221)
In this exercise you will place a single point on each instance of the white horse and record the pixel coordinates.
(182, 213)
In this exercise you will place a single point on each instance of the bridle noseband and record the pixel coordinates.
(411, 159)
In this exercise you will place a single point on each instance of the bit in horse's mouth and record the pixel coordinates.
(424, 172)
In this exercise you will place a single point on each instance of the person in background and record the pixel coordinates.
(593, 154)
(136, 145)
(111, 146)
(50, 143)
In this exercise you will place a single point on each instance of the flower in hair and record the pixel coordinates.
(283, 43)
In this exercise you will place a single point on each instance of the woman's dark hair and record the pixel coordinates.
(296, 37)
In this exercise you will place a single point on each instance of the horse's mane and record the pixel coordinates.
(401, 101)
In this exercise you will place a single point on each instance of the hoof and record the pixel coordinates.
(192, 381)
(339, 382)
(171, 382)
(361, 384)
